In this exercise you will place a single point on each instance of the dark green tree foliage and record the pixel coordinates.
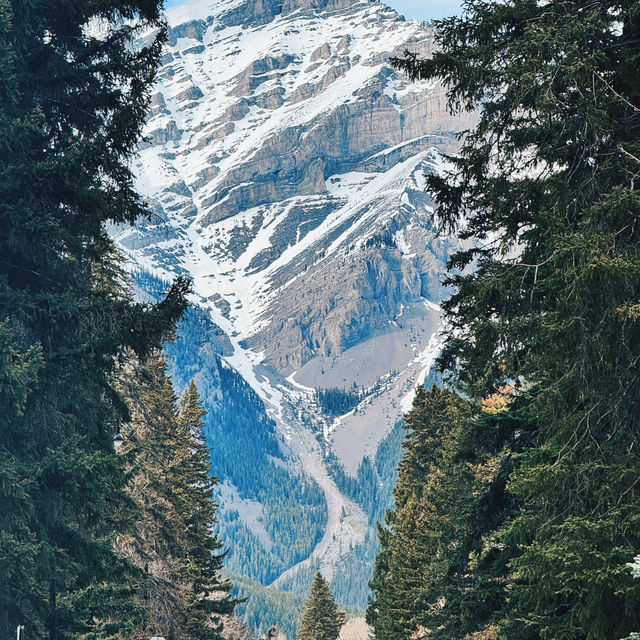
(157, 545)
(371, 489)
(547, 182)
(441, 567)
(183, 595)
(72, 104)
(265, 607)
(248, 556)
(336, 401)
(321, 619)
(209, 598)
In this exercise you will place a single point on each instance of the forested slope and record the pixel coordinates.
(246, 453)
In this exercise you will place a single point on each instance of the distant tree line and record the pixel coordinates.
(335, 401)
(371, 489)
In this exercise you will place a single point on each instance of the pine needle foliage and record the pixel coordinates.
(209, 598)
(321, 618)
(183, 594)
(73, 96)
(441, 568)
(547, 185)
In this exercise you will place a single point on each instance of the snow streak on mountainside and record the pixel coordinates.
(285, 164)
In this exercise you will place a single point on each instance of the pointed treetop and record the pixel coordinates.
(321, 619)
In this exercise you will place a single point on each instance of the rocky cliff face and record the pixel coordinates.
(285, 163)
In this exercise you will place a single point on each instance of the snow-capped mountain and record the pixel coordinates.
(285, 164)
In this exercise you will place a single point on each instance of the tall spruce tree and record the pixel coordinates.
(209, 597)
(183, 594)
(156, 546)
(440, 571)
(321, 618)
(547, 182)
(73, 94)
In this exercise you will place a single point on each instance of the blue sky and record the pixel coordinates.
(422, 9)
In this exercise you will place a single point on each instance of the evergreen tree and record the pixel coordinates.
(321, 619)
(73, 94)
(440, 567)
(209, 598)
(156, 545)
(183, 594)
(547, 181)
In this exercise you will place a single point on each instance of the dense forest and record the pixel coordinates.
(79, 542)
(517, 501)
(337, 401)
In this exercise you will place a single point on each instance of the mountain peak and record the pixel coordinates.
(320, 5)
(229, 13)
(284, 161)
(263, 11)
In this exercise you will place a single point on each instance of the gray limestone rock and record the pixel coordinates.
(157, 105)
(300, 165)
(193, 30)
(258, 12)
(160, 136)
(321, 53)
